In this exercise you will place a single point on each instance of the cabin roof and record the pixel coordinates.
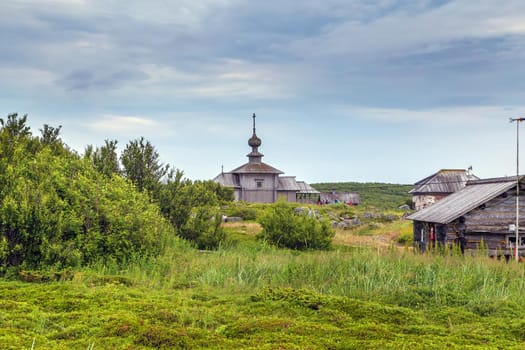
(443, 181)
(476, 193)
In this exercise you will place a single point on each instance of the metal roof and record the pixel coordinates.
(256, 168)
(465, 200)
(444, 181)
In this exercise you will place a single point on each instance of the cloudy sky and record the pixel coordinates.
(344, 90)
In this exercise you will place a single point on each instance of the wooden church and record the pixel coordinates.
(258, 182)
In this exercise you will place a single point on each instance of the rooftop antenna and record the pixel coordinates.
(517, 120)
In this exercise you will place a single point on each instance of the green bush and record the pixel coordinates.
(242, 209)
(203, 228)
(57, 210)
(283, 227)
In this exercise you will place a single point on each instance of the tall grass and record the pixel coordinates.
(392, 275)
(252, 295)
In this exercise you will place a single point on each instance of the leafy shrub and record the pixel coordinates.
(57, 210)
(284, 228)
(242, 209)
(203, 228)
(191, 207)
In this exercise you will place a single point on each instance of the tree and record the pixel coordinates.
(193, 209)
(12, 131)
(104, 158)
(15, 127)
(57, 210)
(50, 135)
(142, 166)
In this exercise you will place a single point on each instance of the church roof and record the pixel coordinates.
(306, 188)
(287, 183)
(227, 179)
(256, 168)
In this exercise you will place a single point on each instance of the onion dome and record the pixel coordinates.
(254, 141)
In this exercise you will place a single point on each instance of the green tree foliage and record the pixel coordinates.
(142, 166)
(57, 210)
(285, 228)
(192, 208)
(203, 228)
(50, 135)
(104, 158)
(14, 127)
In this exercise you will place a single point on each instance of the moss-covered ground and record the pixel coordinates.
(248, 295)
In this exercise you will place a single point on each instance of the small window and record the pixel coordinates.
(512, 240)
(259, 183)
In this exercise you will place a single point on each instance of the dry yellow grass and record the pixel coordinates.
(249, 228)
(346, 237)
(385, 236)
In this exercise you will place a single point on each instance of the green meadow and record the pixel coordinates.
(249, 295)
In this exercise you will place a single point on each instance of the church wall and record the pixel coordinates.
(290, 196)
(258, 196)
(258, 188)
(250, 181)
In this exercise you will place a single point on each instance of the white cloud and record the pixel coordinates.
(121, 123)
(220, 78)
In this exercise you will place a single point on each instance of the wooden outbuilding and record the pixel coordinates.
(438, 186)
(482, 214)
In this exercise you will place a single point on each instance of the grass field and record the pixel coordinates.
(367, 293)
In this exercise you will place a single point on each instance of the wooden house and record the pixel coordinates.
(258, 182)
(438, 186)
(483, 213)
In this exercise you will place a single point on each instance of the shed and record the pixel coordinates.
(439, 185)
(483, 213)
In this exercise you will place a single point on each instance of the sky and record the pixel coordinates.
(368, 91)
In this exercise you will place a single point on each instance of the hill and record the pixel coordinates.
(373, 194)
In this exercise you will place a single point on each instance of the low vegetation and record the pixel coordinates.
(287, 226)
(94, 256)
(252, 295)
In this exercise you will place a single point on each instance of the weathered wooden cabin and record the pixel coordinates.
(483, 213)
(438, 186)
(258, 182)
